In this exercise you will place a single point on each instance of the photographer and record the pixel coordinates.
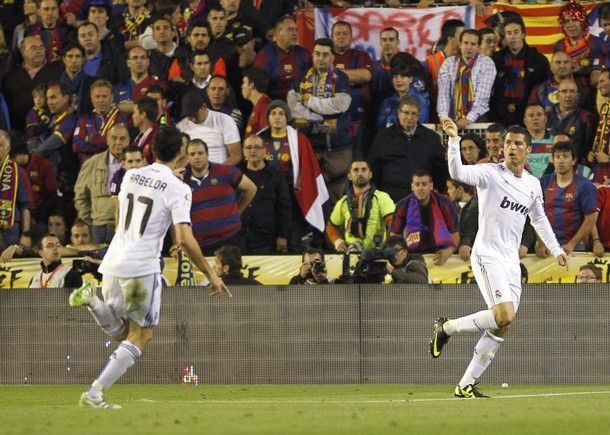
(406, 267)
(313, 269)
(54, 274)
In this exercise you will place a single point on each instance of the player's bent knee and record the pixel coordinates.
(504, 319)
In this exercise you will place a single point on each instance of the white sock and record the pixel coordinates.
(484, 352)
(481, 321)
(105, 317)
(119, 362)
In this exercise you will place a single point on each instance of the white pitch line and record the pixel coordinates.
(383, 401)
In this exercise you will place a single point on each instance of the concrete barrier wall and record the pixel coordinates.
(312, 334)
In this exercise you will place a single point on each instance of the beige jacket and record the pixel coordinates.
(92, 199)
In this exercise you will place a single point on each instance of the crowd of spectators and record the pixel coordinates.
(282, 142)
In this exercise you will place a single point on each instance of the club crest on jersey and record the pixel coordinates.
(214, 181)
(498, 294)
(288, 68)
(508, 204)
(569, 196)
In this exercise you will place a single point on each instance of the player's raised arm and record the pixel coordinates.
(186, 241)
(469, 174)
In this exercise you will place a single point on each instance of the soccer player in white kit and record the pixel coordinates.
(151, 199)
(507, 194)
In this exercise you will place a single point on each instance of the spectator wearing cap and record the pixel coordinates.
(254, 89)
(244, 14)
(283, 60)
(321, 112)
(245, 47)
(216, 129)
(99, 13)
(403, 83)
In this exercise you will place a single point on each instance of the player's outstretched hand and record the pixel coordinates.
(449, 127)
(562, 260)
(218, 287)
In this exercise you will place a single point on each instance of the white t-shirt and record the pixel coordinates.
(505, 201)
(217, 131)
(150, 200)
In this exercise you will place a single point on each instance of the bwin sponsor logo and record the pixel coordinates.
(519, 208)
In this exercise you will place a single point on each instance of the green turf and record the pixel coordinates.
(306, 409)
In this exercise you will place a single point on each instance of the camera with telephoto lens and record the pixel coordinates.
(84, 267)
(370, 268)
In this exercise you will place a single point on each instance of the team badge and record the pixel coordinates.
(288, 68)
(498, 294)
(214, 181)
(584, 62)
(532, 194)
(569, 196)
(340, 66)
(553, 97)
(572, 130)
(511, 108)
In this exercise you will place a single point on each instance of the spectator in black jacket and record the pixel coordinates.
(402, 148)
(227, 265)
(102, 60)
(406, 267)
(520, 68)
(266, 220)
(464, 196)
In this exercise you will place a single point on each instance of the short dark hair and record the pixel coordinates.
(324, 42)
(390, 29)
(485, 31)
(478, 141)
(312, 250)
(88, 23)
(72, 45)
(133, 148)
(167, 143)
(449, 28)
(258, 78)
(216, 7)
(198, 22)
(467, 187)
(149, 107)
(62, 88)
(421, 173)
(44, 236)
(156, 89)
(394, 240)
(496, 127)
(471, 32)
(604, 12)
(341, 23)
(282, 19)
(193, 53)
(517, 129)
(230, 256)
(564, 146)
(197, 141)
(514, 20)
(360, 160)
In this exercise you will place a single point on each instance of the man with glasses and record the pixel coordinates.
(266, 220)
(406, 267)
(402, 148)
(53, 273)
(589, 274)
(568, 117)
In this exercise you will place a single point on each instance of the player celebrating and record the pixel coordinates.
(507, 194)
(150, 200)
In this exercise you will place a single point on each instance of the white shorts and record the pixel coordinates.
(138, 298)
(498, 282)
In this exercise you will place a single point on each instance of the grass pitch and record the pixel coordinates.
(306, 409)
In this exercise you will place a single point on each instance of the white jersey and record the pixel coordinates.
(217, 131)
(150, 200)
(505, 201)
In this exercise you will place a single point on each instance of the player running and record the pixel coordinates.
(507, 194)
(151, 199)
